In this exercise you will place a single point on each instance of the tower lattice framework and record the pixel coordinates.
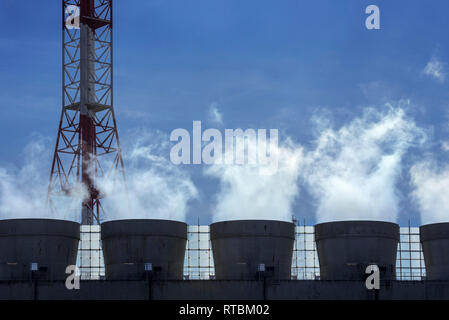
(87, 145)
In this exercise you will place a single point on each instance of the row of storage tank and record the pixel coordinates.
(242, 250)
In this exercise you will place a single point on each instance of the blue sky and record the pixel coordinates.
(263, 64)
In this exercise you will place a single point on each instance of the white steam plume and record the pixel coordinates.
(431, 186)
(156, 189)
(249, 193)
(353, 171)
(23, 189)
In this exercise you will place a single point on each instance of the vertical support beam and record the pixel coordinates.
(87, 94)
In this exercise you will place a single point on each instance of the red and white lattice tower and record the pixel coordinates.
(87, 139)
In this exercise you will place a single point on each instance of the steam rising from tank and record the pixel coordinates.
(248, 192)
(431, 185)
(353, 171)
(156, 189)
(23, 188)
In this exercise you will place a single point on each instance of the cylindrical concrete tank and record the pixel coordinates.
(346, 248)
(241, 247)
(435, 245)
(131, 246)
(51, 244)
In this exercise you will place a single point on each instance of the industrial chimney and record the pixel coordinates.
(346, 248)
(134, 249)
(435, 245)
(250, 249)
(37, 248)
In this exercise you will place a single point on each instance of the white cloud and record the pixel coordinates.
(353, 171)
(436, 69)
(431, 185)
(23, 189)
(156, 189)
(247, 193)
(214, 114)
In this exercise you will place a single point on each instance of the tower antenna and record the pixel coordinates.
(87, 145)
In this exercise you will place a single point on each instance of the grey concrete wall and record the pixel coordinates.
(53, 244)
(129, 244)
(435, 246)
(240, 246)
(346, 248)
(225, 290)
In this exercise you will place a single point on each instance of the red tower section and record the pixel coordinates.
(87, 145)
